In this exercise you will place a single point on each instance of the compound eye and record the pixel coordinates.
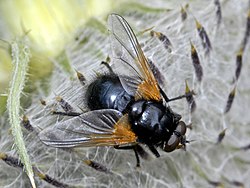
(181, 128)
(171, 144)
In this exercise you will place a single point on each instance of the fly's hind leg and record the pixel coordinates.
(106, 63)
(138, 150)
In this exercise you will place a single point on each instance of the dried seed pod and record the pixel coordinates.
(247, 32)
(97, 166)
(184, 13)
(43, 102)
(81, 77)
(230, 100)
(247, 147)
(221, 136)
(12, 161)
(163, 38)
(64, 104)
(26, 123)
(216, 184)
(190, 98)
(237, 184)
(51, 180)
(196, 63)
(157, 73)
(238, 64)
(204, 37)
(15, 162)
(218, 12)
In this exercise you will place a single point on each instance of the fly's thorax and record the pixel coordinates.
(151, 121)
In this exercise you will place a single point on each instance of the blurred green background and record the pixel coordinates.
(49, 25)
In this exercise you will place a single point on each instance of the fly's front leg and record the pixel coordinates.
(187, 95)
(138, 164)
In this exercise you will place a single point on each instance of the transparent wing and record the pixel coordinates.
(128, 55)
(95, 128)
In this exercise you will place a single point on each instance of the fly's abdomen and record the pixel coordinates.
(106, 92)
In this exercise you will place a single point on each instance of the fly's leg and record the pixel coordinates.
(106, 63)
(66, 113)
(181, 96)
(138, 164)
(142, 153)
(186, 95)
(153, 150)
(68, 109)
(138, 150)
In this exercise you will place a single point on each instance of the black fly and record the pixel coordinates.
(125, 110)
